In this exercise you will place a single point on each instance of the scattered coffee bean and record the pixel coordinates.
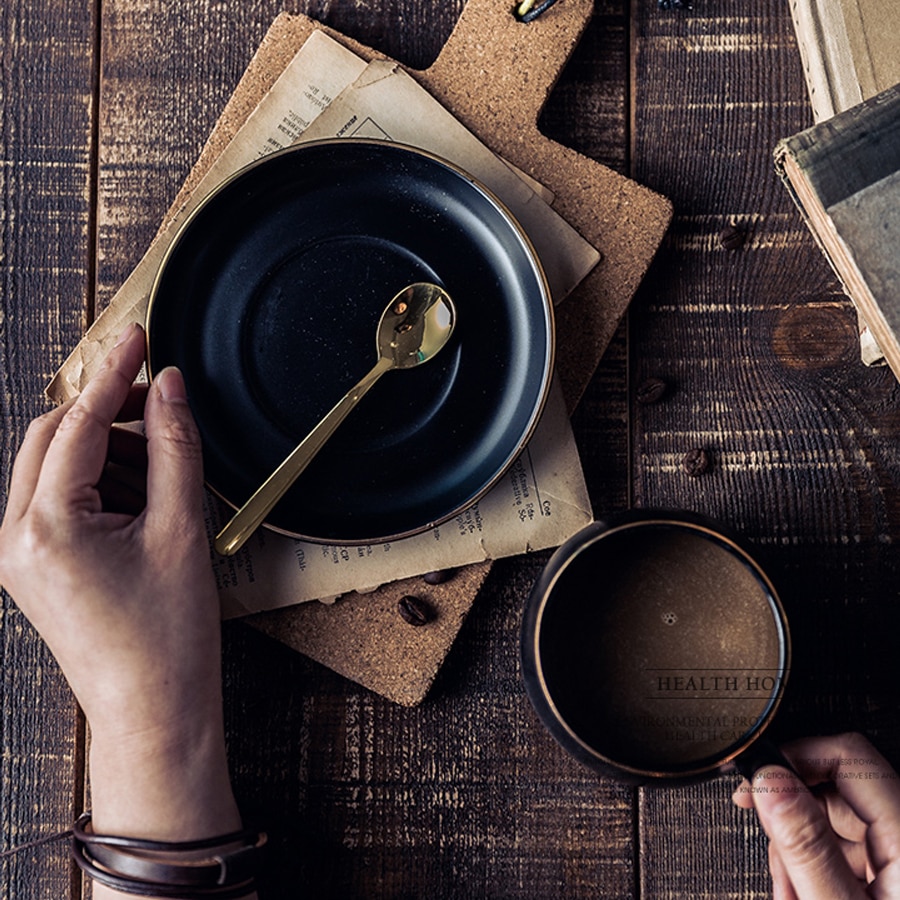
(652, 390)
(732, 238)
(414, 610)
(438, 577)
(696, 462)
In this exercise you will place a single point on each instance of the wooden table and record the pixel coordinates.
(105, 106)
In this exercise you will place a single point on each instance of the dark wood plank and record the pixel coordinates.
(45, 273)
(759, 346)
(465, 795)
(588, 110)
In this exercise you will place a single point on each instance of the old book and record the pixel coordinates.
(850, 51)
(844, 175)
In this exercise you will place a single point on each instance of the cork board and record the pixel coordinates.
(494, 74)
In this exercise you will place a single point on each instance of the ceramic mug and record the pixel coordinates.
(656, 649)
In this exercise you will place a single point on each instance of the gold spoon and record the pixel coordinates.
(413, 327)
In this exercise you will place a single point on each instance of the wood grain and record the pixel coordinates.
(760, 348)
(466, 795)
(46, 183)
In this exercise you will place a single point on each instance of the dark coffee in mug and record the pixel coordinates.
(658, 647)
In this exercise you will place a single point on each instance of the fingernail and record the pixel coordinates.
(780, 786)
(129, 330)
(170, 385)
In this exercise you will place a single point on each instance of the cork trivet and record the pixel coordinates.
(363, 636)
(495, 75)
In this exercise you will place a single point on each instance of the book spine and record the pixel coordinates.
(827, 56)
(811, 59)
(854, 149)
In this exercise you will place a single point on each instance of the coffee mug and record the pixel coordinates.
(656, 649)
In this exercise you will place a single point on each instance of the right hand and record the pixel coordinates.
(835, 834)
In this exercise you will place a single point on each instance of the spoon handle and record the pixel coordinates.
(252, 514)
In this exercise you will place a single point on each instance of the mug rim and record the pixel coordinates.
(533, 664)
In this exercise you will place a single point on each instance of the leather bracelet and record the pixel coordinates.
(223, 867)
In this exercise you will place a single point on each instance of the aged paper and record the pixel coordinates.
(320, 71)
(539, 503)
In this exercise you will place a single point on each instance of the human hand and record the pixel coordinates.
(126, 599)
(834, 831)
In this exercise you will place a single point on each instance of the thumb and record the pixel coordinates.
(801, 836)
(174, 456)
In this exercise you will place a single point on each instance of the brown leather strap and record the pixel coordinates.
(221, 867)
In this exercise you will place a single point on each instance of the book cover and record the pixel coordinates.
(850, 51)
(844, 175)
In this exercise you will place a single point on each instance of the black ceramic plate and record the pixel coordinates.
(269, 300)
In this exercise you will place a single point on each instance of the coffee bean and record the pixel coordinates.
(732, 238)
(414, 610)
(651, 390)
(696, 462)
(439, 576)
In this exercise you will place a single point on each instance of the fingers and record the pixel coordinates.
(175, 467)
(863, 778)
(782, 889)
(844, 820)
(887, 885)
(849, 829)
(743, 795)
(29, 460)
(133, 408)
(809, 855)
(853, 811)
(76, 454)
(125, 447)
(857, 858)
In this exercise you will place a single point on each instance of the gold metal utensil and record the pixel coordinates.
(412, 329)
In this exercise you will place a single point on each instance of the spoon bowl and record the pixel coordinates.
(414, 326)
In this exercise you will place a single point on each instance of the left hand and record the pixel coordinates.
(122, 591)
